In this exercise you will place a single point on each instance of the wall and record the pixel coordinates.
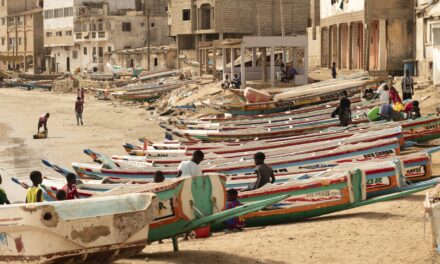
(251, 17)
(329, 10)
(314, 48)
(165, 58)
(62, 24)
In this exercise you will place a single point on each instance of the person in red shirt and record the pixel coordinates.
(70, 187)
(79, 107)
(42, 122)
(394, 95)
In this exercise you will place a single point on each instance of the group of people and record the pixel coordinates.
(234, 83)
(393, 106)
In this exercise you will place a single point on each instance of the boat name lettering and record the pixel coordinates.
(415, 171)
(285, 103)
(330, 96)
(431, 127)
(379, 153)
(374, 181)
(323, 194)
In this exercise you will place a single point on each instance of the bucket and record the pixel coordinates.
(203, 232)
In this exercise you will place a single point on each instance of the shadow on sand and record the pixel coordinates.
(199, 256)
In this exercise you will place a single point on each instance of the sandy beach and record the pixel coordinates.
(389, 232)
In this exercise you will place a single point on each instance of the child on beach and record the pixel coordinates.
(61, 195)
(158, 177)
(70, 187)
(3, 197)
(237, 223)
(34, 193)
(264, 172)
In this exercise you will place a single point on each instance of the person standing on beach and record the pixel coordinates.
(81, 93)
(191, 168)
(264, 172)
(79, 107)
(407, 86)
(3, 196)
(334, 74)
(34, 193)
(42, 122)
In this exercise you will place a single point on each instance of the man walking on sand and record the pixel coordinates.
(79, 107)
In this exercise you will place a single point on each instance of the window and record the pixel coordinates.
(155, 62)
(68, 11)
(3, 21)
(59, 33)
(126, 26)
(69, 33)
(93, 34)
(48, 34)
(152, 25)
(186, 14)
(48, 14)
(94, 51)
(78, 35)
(109, 49)
(101, 34)
(101, 52)
(85, 50)
(3, 41)
(75, 54)
(19, 41)
(59, 12)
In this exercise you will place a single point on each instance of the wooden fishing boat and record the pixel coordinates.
(228, 154)
(98, 229)
(310, 198)
(284, 103)
(432, 209)
(355, 151)
(147, 94)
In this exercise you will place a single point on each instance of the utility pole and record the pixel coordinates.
(148, 36)
(282, 17)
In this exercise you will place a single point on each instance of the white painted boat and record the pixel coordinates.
(86, 230)
(432, 208)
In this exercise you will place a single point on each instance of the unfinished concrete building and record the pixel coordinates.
(428, 39)
(373, 35)
(194, 21)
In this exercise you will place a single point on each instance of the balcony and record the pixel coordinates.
(91, 36)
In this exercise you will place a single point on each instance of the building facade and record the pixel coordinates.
(21, 36)
(80, 32)
(428, 39)
(194, 21)
(371, 35)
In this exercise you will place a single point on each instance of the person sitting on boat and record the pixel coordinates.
(264, 172)
(3, 196)
(412, 110)
(237, 223)
(226, 83)
(383, 93)
(158, 177)
(394, 95)
(70, 187)
(61, 195)
(35, 193)
(42, 122)
(191, 168)
(343, 110)
(368, 94)
(236, 82)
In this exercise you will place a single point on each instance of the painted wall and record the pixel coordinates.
(114, 5)
(329, 10)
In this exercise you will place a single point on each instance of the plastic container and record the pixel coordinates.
(408, 65)
(203, 232)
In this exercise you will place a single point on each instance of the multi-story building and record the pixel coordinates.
(21, 35)
(428, 39)
(373, 35)
(194, 21)
(79, 32)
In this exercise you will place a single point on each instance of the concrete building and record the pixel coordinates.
(428, 39)
(162, 58)
(373, 35)
(21, 36)
(194, 21)
(80, 32)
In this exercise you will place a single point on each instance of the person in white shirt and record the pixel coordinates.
(191, 168)
(383, 93)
